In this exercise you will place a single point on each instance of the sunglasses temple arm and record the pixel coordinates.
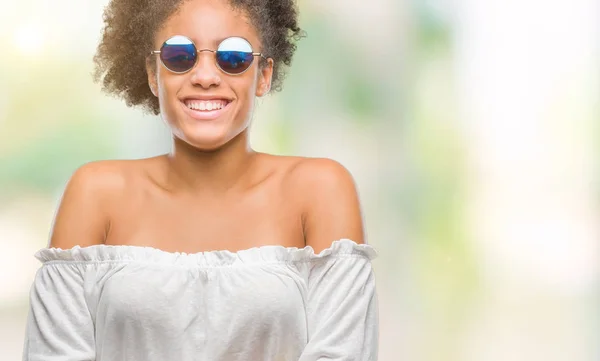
(260, 54)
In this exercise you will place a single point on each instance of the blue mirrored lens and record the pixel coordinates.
(234, 62)
(178, 57)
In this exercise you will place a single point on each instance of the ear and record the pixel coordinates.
(264, 79)
(151, 71)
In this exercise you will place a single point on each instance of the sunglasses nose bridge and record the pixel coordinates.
(205, 72)
(208, 60)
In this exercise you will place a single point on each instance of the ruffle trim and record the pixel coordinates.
(255, 255)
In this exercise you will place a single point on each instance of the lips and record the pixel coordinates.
(205, 108)
(206, 105)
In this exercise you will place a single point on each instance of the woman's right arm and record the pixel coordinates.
(59, 323)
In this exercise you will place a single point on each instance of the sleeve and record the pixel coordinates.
(59, 324)
(342, 310)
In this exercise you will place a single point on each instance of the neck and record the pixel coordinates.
(214, 172)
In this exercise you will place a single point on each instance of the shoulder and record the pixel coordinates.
(329, 201)
(98, 176)
(100, 179)
(308, 172)
(110, 176)
(82, 217)
(314, 178)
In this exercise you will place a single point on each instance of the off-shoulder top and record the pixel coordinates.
(268, 303)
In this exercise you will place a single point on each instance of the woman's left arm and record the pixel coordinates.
(342, 301)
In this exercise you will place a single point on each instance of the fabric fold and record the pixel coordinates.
(219, 258)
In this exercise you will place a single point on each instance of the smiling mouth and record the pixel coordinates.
(203, 110)
(206, 105)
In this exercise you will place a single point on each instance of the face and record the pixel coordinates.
(185, 98)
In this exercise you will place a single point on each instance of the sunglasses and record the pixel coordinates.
(234, 55)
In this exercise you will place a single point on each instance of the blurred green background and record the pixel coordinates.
(471, 128)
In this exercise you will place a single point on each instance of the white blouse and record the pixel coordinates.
(268, 303)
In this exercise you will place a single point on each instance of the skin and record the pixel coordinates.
(212, 192)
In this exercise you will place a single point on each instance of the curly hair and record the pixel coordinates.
(130, 26)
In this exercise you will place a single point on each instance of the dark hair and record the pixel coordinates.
(130, 26)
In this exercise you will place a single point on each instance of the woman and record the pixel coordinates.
(214, 251)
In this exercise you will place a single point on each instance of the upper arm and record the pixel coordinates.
(331, 206)
(82, 216)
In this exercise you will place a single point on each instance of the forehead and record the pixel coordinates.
(207, 22)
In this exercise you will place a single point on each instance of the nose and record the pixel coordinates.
(205, 73)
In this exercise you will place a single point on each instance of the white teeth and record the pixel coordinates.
(206, 104)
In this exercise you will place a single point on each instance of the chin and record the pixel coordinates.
(207, 136)
(206, 145)
(205, 142)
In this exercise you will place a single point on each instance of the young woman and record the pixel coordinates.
(213, 251)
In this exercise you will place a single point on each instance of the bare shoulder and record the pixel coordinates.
(99, 176)
(82, 217)
(330, 203)
(309, 172)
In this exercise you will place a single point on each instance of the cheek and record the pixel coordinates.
(167, 95)
(245, 86)
(247, 95)
(165, 86)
